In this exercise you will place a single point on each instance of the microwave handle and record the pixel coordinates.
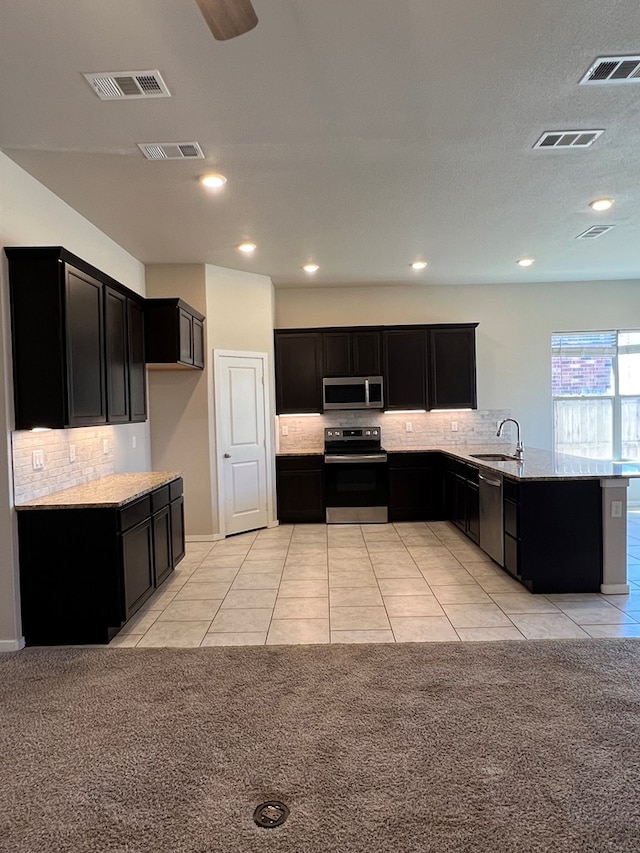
(366, 392)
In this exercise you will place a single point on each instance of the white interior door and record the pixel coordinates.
(242, 452)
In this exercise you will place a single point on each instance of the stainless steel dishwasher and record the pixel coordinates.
(491, 516)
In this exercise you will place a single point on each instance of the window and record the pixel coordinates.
(595, 380)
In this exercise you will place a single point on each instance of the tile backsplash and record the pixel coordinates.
(428, 429)
(59, 472)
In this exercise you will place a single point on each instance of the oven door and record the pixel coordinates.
(356, 488)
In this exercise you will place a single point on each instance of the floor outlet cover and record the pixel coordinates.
(270, 814)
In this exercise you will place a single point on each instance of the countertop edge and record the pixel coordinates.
(512, 469)
(147, 482)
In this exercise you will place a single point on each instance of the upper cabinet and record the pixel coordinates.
(298, 357)
(351, 352)
(174, 334)
(452, 367)
(77, 342)
(423, 367)
(405, 368)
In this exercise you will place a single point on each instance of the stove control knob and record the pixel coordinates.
(375, 432)
(367, 432)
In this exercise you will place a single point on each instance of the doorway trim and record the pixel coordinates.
(218, 355)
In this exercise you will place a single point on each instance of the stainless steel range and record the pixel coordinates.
(355, 476)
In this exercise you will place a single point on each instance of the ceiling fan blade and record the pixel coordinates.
(228, 18)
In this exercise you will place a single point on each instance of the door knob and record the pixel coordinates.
(227, 456)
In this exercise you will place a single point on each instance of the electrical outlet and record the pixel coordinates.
(105, 445)
(616, 509)
(284, 430)
(454, 426)
(134, 441)
(408, 426)
(38, 460)
(72, 453)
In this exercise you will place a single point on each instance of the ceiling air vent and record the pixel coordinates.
(568, 138)
(613, 69)
(594, 231)
(116, 85)
(171, 150)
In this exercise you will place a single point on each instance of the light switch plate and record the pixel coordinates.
(105, 445)
(72, 453)
(616, 509)
(409, 426)
(284, 430)
(38, 460)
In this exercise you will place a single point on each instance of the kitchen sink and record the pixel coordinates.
(495, 457)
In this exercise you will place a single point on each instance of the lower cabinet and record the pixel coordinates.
(553, 534)
(84, 572)
(300, 489)
(415, 486)
(462, 498)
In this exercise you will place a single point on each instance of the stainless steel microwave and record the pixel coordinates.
(352, 392)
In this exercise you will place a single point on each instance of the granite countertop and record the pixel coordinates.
(536, 465)
(112, 491)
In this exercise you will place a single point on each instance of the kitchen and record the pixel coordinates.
(515, 322)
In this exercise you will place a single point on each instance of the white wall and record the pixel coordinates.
(513, 337)
(30, 215)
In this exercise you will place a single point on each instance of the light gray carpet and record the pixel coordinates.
(523, 747)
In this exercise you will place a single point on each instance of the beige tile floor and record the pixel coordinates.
(412, 582)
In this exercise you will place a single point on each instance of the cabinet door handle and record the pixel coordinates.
(227, 456)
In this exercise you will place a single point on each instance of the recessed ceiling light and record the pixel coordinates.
(247, 248)
(311, 268)
(418, 265)
(213, 181)
(601, 204)
(525, 262)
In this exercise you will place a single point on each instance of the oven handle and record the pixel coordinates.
(347, 458)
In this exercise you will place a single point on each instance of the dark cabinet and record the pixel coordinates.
(117, 350)
(415, 486)
(108, 562)
(71, 342)
(300, 489)
(462, 497)
(137, 566)
(352, 353)
(174, 334)
(553, 534)
(137, 372)
(84, 335)
(125, 367)
(298, 357)
(405, 368)
(177, 529)
(452, 367)
(423, 367)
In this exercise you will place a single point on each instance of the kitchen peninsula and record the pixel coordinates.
(562, 518)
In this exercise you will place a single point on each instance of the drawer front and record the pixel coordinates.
(176, 487)
(135, 512)
(412, 460)
(299, 463)
(511, 490)
(159, 498)
(511, 556)
(511, 518)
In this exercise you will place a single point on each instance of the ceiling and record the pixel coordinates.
(359, 134)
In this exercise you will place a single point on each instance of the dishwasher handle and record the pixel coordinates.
(489, 481)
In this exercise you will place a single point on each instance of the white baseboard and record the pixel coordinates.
(213, 537)
(614, 588)
(12, 645)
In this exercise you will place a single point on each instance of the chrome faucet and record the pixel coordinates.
(519, 445)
